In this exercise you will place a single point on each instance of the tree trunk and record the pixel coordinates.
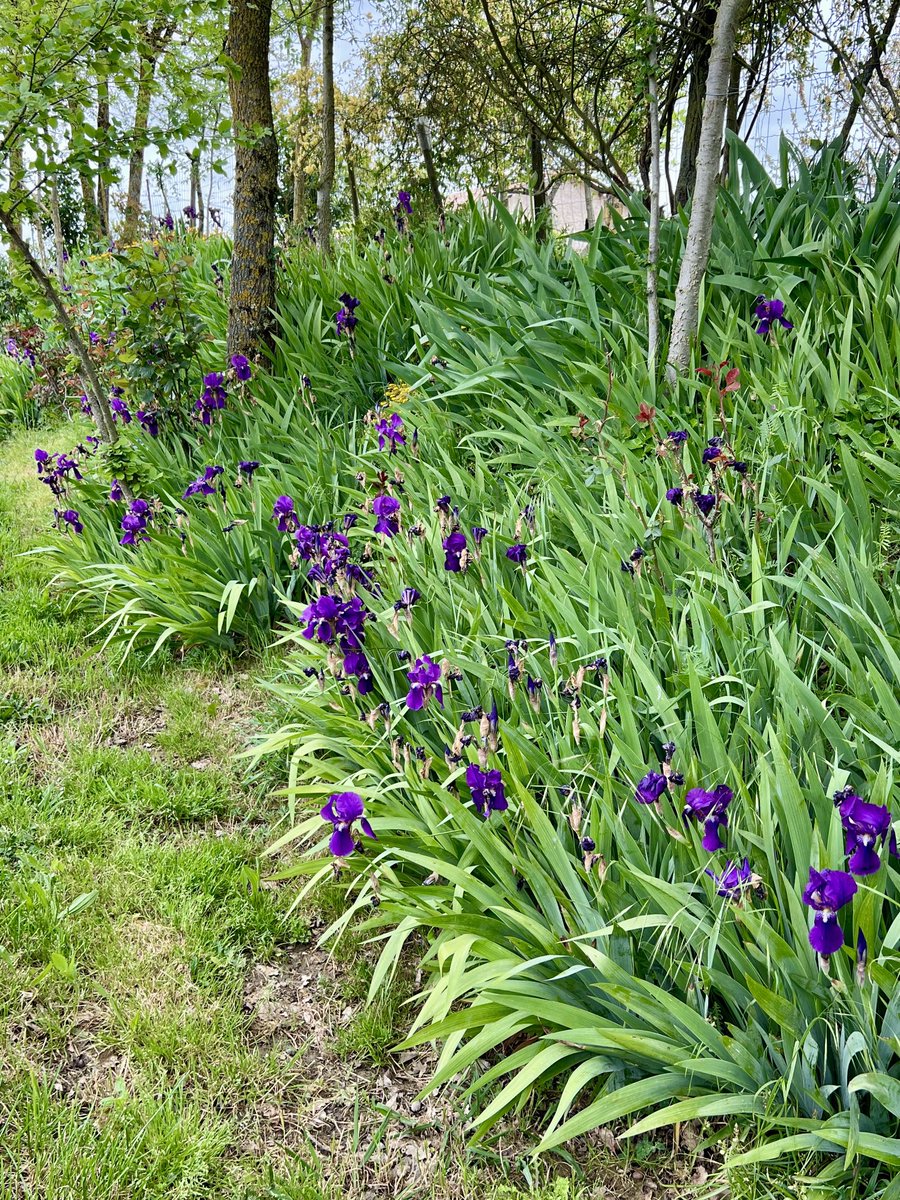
(58, 239)
(16, 176)
(326, 174)
(428, 158)
(538, 182)
(196, 187)
(703, 206)
(298, 215)
(653, 222)
(91, 381)
(693, 118)
(139, 141)
(351, 178)
(91, 219)
(251, 307)
(588, 203)
(102, 157)
(298, 208)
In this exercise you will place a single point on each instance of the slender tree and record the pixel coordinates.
(251, 308)
(103, 156)
(428, 158)
(156, 38)
(299, 165)
(326, 174)
(538, 181)
(653, 223)
(703, 206)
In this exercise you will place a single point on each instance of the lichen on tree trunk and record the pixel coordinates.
(251, 315)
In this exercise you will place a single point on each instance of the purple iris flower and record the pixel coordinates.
(205, 485)
(342, 811)
(350, 520)
(733, 879)
(385, 509)
(115, 492)
(711, 453)
(86, 405)
(241, 367)
(331, 617)
(739, 467)
(247, 468)
(424, 682)
(710, 808)
(169, 221)
(678, 436)
(345, 318)
(408, 597)
(120, 409)
(356, 663)
(454, 546)
(865, 825)
(148, 421)
(404, 202)
(65, 465)
(213, 396)
(283, 513)
(650, 788)
(705, 501)
(517, 553)
(488, 794)
(675, 495)
(768, 313)
(134, 522)
(390, 432)
(42, 458)
(826, 893)
(71, 518)
(479, 533)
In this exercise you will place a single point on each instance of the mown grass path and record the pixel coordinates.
(126, 923)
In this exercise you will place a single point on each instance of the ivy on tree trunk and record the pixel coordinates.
(251, 307)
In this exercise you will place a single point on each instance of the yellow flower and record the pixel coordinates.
(397, 393)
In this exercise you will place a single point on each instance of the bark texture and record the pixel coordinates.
(696, 250)
(16, 175)
(298, 214)
(251, 307)
(351, 177)
(58, 240)
(693, 118)
(538, 181)
(139, 141)
(103, 157)
(326, 174)
(653, 222)
(428, 158)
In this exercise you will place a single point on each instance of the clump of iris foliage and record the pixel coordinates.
(605, 676)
